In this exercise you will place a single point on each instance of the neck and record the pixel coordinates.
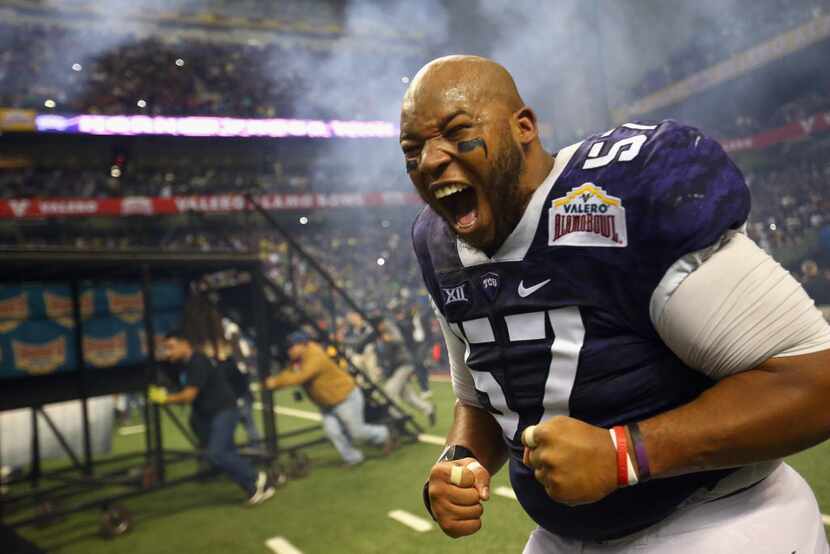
(538, 166)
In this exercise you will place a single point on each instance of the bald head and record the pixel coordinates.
(472, 147)
(468, 79)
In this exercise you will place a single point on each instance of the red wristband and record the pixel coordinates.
(622, 456)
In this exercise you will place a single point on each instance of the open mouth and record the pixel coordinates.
(460, 202)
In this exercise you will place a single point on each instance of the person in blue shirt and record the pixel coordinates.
(214, 414)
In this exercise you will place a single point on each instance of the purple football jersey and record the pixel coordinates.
(557, 321)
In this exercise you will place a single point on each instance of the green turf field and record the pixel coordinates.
(334, 509)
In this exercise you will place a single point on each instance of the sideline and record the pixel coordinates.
(412, 521)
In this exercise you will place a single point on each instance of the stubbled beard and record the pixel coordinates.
(507, 203)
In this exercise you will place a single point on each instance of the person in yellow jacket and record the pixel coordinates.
(337, 395)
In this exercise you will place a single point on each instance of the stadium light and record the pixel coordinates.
(49, 103)
(77, 67)
(200, 126)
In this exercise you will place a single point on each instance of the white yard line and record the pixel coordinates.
(412, 521)
(281, 546)
(432, 439)
(302, 414)
(293, 412)
(131, 430)
(826, 519)
(506, 492)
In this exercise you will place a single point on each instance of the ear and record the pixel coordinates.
(526, 128)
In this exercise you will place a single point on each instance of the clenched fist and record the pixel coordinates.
(456, 491)
(574, 461)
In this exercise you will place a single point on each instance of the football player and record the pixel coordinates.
(612, 331)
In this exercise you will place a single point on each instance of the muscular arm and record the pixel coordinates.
(472, 427)
(476, 430)
(769, 412)
(456, 505)
(740, 318)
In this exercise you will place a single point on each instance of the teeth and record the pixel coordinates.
(447, 190)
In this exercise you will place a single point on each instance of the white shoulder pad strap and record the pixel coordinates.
(462, 380)
(731, 309)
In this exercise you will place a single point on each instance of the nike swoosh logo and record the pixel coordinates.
(524, 292)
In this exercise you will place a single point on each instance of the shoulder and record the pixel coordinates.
(315, 353)
(435, 248)
(428, 232)
(657, 158)
(200, 361)
(198, 369)
(673, 185)
(421, 225)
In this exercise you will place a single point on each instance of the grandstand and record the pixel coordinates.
(755, 81)
(172, 127)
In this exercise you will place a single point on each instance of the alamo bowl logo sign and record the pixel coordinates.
(41, 358)
(587, 216)
(105, 352)
(128, 307)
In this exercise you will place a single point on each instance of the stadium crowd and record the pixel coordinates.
(790, 202)
(127, 69)
(726, 31)
(193, 179)
(743, 122)
(778, 220)
(141, 74)
(136, 75)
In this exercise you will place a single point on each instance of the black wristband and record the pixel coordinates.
(450, 453)
(454, 452)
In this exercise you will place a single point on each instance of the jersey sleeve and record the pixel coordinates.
(421, 229)
(463, 384)
(677, 196)
(737, 310)
(690, 195)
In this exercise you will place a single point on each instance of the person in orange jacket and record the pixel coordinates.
(337, 395)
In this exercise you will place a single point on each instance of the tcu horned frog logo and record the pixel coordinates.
(587, 216)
